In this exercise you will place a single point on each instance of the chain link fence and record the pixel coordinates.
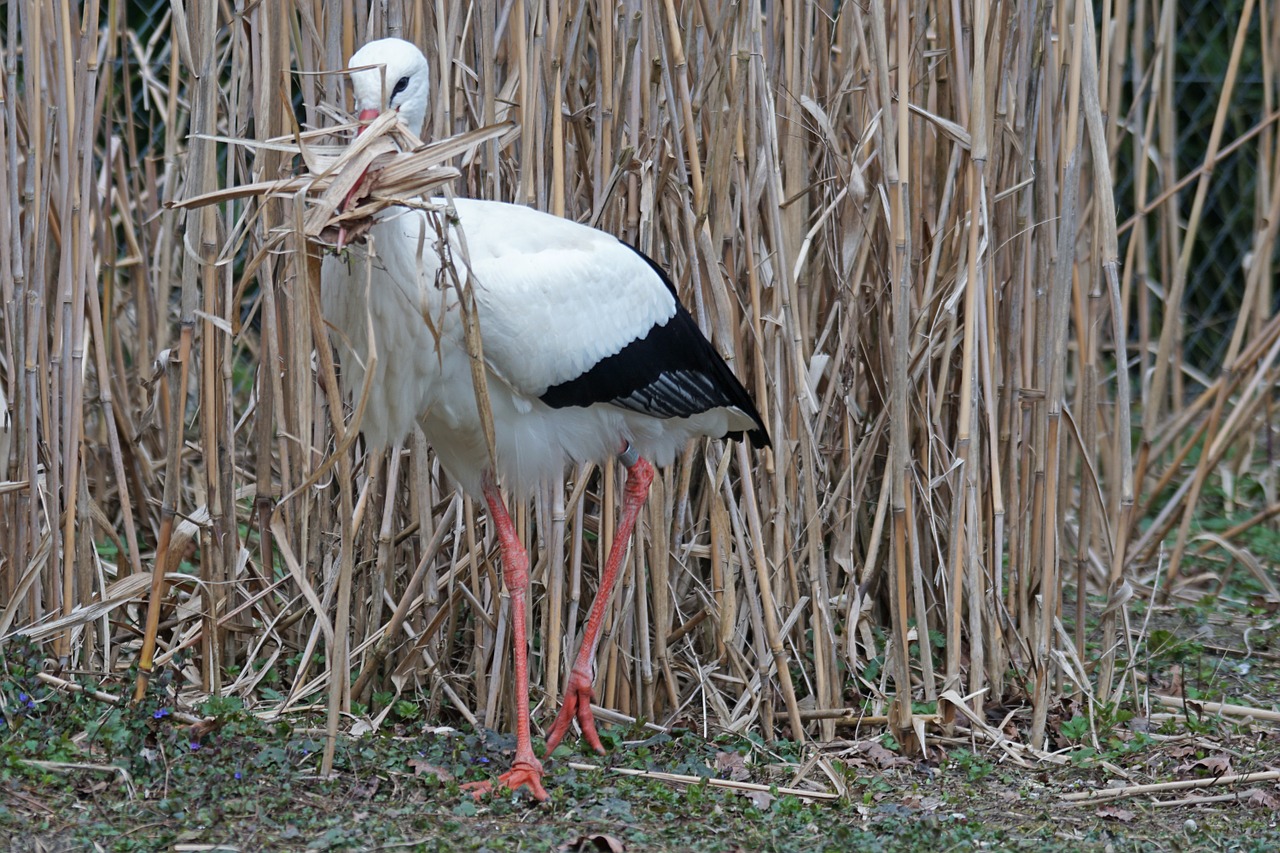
(1217, 273)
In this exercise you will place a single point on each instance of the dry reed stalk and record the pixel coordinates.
(200, 171)
(682, 779)
(1115, 511)
(1181, 785)
(1226, 709)
(900, 234)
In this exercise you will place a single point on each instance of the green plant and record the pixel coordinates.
(974, 766)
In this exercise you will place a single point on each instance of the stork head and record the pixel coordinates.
(391, 74)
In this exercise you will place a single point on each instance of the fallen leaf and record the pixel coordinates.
(366, 790)
(421, 766)
(1116, 813)
(732, 765)
(1261, 799)
(202, 729)
(760, 799)
(1174, 682)
(1218, 765)
(881, 756)
(1261, 602)
(1214, 765)
(930, 804)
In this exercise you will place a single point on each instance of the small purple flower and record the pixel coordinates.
(195, 745)
(161, 713)
(237, 775)
(27, 700)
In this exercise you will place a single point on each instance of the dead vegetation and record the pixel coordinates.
(902, 236)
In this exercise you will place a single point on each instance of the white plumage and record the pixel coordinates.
(553, 299)
(588, 355)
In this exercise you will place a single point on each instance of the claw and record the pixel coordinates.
(522, 774)
(577, 704)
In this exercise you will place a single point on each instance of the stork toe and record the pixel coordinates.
(522, 774)
(577, 704)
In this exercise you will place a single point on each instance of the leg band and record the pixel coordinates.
(629, 456)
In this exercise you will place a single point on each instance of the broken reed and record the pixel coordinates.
(902, 239)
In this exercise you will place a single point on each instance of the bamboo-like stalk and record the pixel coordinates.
(1119, 507)
(200, 54)
(896, 223)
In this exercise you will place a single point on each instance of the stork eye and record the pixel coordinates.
(401, 85)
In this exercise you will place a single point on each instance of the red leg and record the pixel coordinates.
(526, 769)
(578, 693)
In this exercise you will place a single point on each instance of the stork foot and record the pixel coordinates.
(577, 704)
(521, 774)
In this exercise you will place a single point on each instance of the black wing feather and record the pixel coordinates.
(671, 372)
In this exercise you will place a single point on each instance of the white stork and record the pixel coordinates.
(589, 354)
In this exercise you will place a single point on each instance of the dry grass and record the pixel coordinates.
(903, 238)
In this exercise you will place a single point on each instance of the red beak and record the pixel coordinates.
(365, 117)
